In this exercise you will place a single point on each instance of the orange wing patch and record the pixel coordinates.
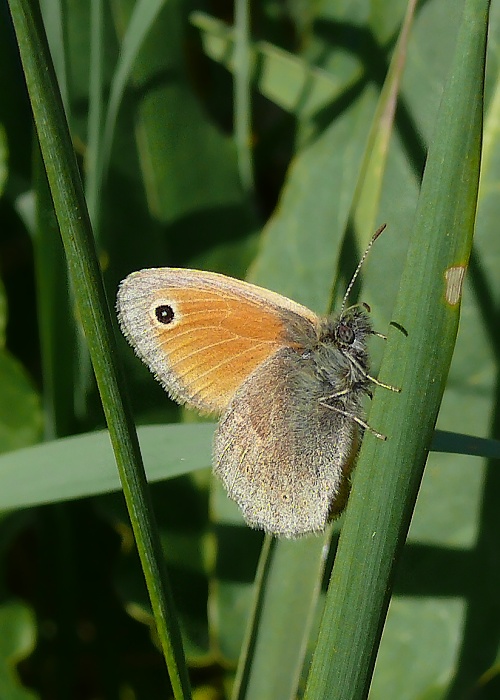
(216, 342)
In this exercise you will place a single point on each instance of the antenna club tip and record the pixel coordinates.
(378, 232)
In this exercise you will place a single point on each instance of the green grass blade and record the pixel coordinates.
(388, 475)
(242, 96)
(83, 465)
(276, 638)
(58, 331)
(457, 443)
(74, 223)
(96, 108)
(53, 17)
(144, 14)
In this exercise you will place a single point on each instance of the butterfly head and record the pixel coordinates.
(341, 354)
(350, 329)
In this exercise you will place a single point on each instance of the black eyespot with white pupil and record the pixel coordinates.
(345, 334)
(164, 314)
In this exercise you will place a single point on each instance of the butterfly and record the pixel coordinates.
(287, 383)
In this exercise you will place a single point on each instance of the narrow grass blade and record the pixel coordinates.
(96, 108)
(53, 17)
(145, 12)
(242, 95)
(366, 200)
(57, 325)
(280, 626)
(387, 479)
(457, 443)
(74, 224)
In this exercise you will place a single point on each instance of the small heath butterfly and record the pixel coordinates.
(287, 383)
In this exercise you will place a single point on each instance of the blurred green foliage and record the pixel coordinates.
(73, 603)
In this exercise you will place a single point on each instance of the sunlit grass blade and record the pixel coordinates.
(388, 475)
(366, 200)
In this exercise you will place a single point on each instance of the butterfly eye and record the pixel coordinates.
(345, 334)
(164, 314)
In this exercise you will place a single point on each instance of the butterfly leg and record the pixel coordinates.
(376, 381)
(353, 417)
(385, 386)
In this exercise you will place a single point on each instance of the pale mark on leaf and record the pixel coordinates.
(454, 279)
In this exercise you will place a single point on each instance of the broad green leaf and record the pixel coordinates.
(83, 465)
(301, 243)
(411, 623)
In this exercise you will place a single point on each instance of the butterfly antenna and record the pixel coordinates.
(356, 271)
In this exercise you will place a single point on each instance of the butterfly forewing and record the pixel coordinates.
(202, 342)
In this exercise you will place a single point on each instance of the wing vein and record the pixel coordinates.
(188, 356)
(226, 361)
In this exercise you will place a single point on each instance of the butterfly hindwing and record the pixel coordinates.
(283, 455)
